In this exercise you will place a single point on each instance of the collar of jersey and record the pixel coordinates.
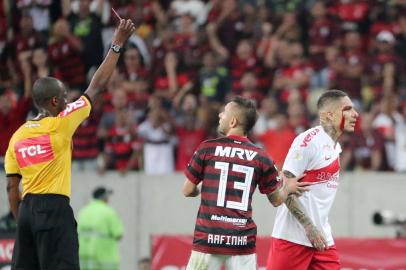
(238, 138)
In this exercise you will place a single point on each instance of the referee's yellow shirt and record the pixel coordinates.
(41, 151)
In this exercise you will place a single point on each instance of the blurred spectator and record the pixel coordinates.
(289, 29)
(352, 13)
(385, 122)
(157, 132)
(3, 26)
(400, 140)
(26, 39)
(383, 18)
(144, 264)
(85, 144)
(41, 64)
(225, 25)
(65, 53)
(401, 54)
(122, 149)
(99, 229)
(187, 39)
(365, 149)
(283, 135)
(172, 78)
(13, 113)
(267, 112)
(401, 38)
(249, 87)
(40, 11)
(134, 67)
(351, 67)
(295, 76)
(243, 61)
(119, 102)
(326, 78)
(87, 26)
(213, 79)
(297, 117)
(383, 66)
(323, 32)
(189, 129)
(135, 80)
(195, 8)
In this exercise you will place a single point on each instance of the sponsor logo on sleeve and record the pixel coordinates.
(309, 137)
(74, 106)
(32, 151)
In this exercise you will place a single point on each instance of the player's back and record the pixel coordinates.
(40, 150)
(231, 168)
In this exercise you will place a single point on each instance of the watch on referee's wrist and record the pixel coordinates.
(116, 48)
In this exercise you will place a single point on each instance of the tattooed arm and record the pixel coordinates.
(315, 236)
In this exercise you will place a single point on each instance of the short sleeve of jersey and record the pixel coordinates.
(10, 163)
(299, 156)
(269, 180)
(74, 114)
(194, 169)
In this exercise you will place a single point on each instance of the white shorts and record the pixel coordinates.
(206, 261)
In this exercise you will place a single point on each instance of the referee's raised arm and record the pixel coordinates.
(124, 30)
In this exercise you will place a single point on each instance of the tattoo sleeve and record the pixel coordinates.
(295, 207)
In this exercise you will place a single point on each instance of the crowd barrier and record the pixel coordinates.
(6, 249)
(171, 252)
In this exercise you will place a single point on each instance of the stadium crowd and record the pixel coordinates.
(190, 56)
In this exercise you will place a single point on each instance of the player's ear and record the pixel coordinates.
(233, 122)
(54, 101)
(326, 116)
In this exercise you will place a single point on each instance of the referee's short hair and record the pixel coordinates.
(330, 96)
(249, 110)
(44, 89)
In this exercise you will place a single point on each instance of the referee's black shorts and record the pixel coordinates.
(47, 236)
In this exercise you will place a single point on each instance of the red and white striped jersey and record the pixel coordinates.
(315, 154)
(230, 168)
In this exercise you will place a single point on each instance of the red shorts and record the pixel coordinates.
(287, 255)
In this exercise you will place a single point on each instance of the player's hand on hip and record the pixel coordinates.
(293, 184)
(123, 31)
(316, 237)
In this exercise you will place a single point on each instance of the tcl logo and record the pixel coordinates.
(6, 250)
(71, 107)
(32, 151)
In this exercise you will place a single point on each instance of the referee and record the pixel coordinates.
(40, 153)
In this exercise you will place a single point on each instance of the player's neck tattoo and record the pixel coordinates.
(331, 131)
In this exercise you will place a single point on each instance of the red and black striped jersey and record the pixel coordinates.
(230, 168)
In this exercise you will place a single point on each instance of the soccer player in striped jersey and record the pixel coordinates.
(40, 154)
(301, 237)
(229, 169)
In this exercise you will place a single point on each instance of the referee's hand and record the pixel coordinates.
(123, 31)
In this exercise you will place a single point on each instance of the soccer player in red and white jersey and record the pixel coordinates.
(229, 169)
(301, 237)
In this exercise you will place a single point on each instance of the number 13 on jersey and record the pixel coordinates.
(244, 186)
